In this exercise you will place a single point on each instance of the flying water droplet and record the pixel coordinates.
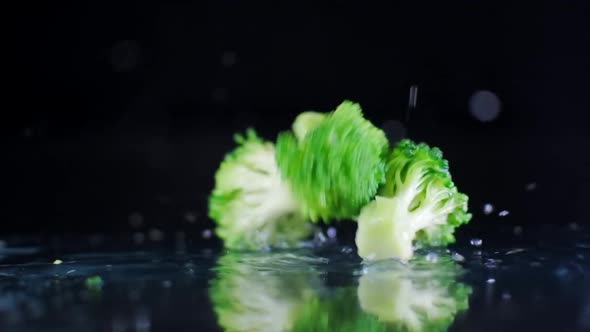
(331, 232)
(506, 296)
(515, 251)
(476, 242)
(492, 263)
(320, 238)
(346, 250)
(485, 106)
(562, 272)
(488, 209)
(530, 186)
(206, 234)
(491, 281)
(504, 213)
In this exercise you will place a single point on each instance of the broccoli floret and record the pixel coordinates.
(419, 204)
(413, 299)
(246, 297)
(251, 203)
(334, 162)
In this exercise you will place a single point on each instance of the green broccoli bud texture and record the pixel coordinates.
(251, 203)
(334, 164)
(419, 204)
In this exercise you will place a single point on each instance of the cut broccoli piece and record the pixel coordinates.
(419, 204)
(335, 163)
(251, 203)
(246, 297)
(413, 299)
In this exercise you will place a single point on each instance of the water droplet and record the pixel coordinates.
(530, 186)
(476, 242)
(515, 251)
(166, 283)
(206, 234)
(488, 208)
(477, 253)
(135, 219)
(506, 296)
(190, 217)
(432, 257)
(347, 250)
(331, 232)
(70, 271)
(457, 257)
(320, 237)
(491, 281)
(156, 235)
(485, 106)
(517, 230)
(491, 263)
(57, 261)
(562, 272)
(504, 213)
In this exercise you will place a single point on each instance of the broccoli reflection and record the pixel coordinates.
(423, 296)
(260, 292)
(282, 292)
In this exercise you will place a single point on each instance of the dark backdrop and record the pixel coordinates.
(123, 110)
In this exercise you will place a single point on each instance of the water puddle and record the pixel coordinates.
(479, 284)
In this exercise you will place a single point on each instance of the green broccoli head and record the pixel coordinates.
(247, 296)
(412, 299)
(251, 204)
(334, 162)
(419, 204)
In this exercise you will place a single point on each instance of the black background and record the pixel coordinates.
(127, 107)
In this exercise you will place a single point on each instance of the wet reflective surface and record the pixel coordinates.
(533, 279)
